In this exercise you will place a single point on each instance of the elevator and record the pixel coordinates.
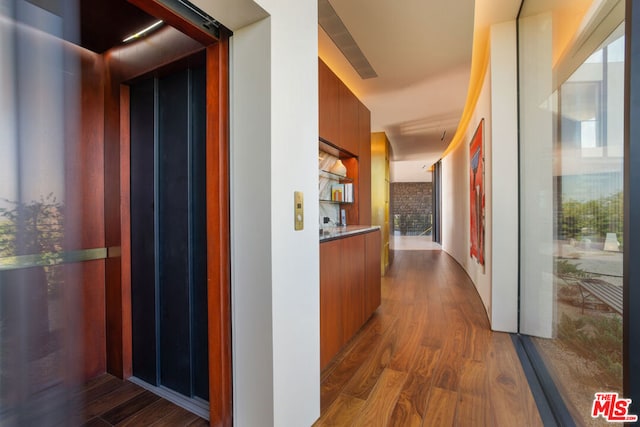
(168, 231)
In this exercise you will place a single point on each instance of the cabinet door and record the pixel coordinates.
(329, 104)
(364, 160)
(331, 301)
(353, 277)
(348, 121)
(372, 297)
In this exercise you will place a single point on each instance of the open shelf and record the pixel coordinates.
(336, 202)
(335, 177)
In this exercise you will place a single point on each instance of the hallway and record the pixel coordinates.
(427, 357)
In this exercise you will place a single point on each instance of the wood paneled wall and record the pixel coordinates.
(218, 234)
(84, 204)
(364, 160)
(345, 131)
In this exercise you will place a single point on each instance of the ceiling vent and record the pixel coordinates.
(334, 27)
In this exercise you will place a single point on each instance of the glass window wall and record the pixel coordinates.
(571, 175)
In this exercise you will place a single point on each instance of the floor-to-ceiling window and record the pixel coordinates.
(437, 201)
(572, 84)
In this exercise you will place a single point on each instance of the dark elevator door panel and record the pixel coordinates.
(178, 180)
(143, 294)
(199, 233)
(173, 209)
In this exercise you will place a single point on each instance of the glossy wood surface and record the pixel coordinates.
(346, 289)
(118, 274)
(109, 401)
(345, 123)
(124, 353)
(329, 104)
(84, 197)
(372, 279)
(364, 160)
(352, 284)
(90, 276)
(116, 363)
(427, 357)
(84, 206)
(218, 238)
(160, 11)
(349, 120)
(331, 301)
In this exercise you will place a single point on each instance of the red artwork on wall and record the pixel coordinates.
(476, 187)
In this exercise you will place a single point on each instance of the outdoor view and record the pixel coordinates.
(586, 356)
(573, 146)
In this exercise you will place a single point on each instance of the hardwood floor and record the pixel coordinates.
(109, 401)
(427, 357)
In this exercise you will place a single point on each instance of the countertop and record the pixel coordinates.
(332, 233)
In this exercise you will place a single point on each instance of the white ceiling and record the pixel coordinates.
(234, 14)
(422, 51)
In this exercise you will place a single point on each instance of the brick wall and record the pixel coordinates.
(411, 207)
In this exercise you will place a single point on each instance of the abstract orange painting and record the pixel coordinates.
(476, 187)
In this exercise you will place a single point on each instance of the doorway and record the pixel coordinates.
(168, 232)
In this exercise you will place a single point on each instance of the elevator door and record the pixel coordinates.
(168, 232)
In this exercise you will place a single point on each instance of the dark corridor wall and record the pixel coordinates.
(411, 207)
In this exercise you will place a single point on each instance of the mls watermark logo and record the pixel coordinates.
(612, 408)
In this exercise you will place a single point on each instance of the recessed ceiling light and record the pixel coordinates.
(142, 32)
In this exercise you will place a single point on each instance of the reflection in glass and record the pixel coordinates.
(38, 329)
(572, 208)
(588, 257)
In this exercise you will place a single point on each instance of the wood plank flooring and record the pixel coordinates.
(109, 401)
(427, 357)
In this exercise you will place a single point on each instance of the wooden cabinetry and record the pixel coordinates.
(339, 111)
(352, 266)
(331, 300)
(372, 295)
(348, 121)
(364, 159)
(329, 103)
(349, 289)
(345, 132)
